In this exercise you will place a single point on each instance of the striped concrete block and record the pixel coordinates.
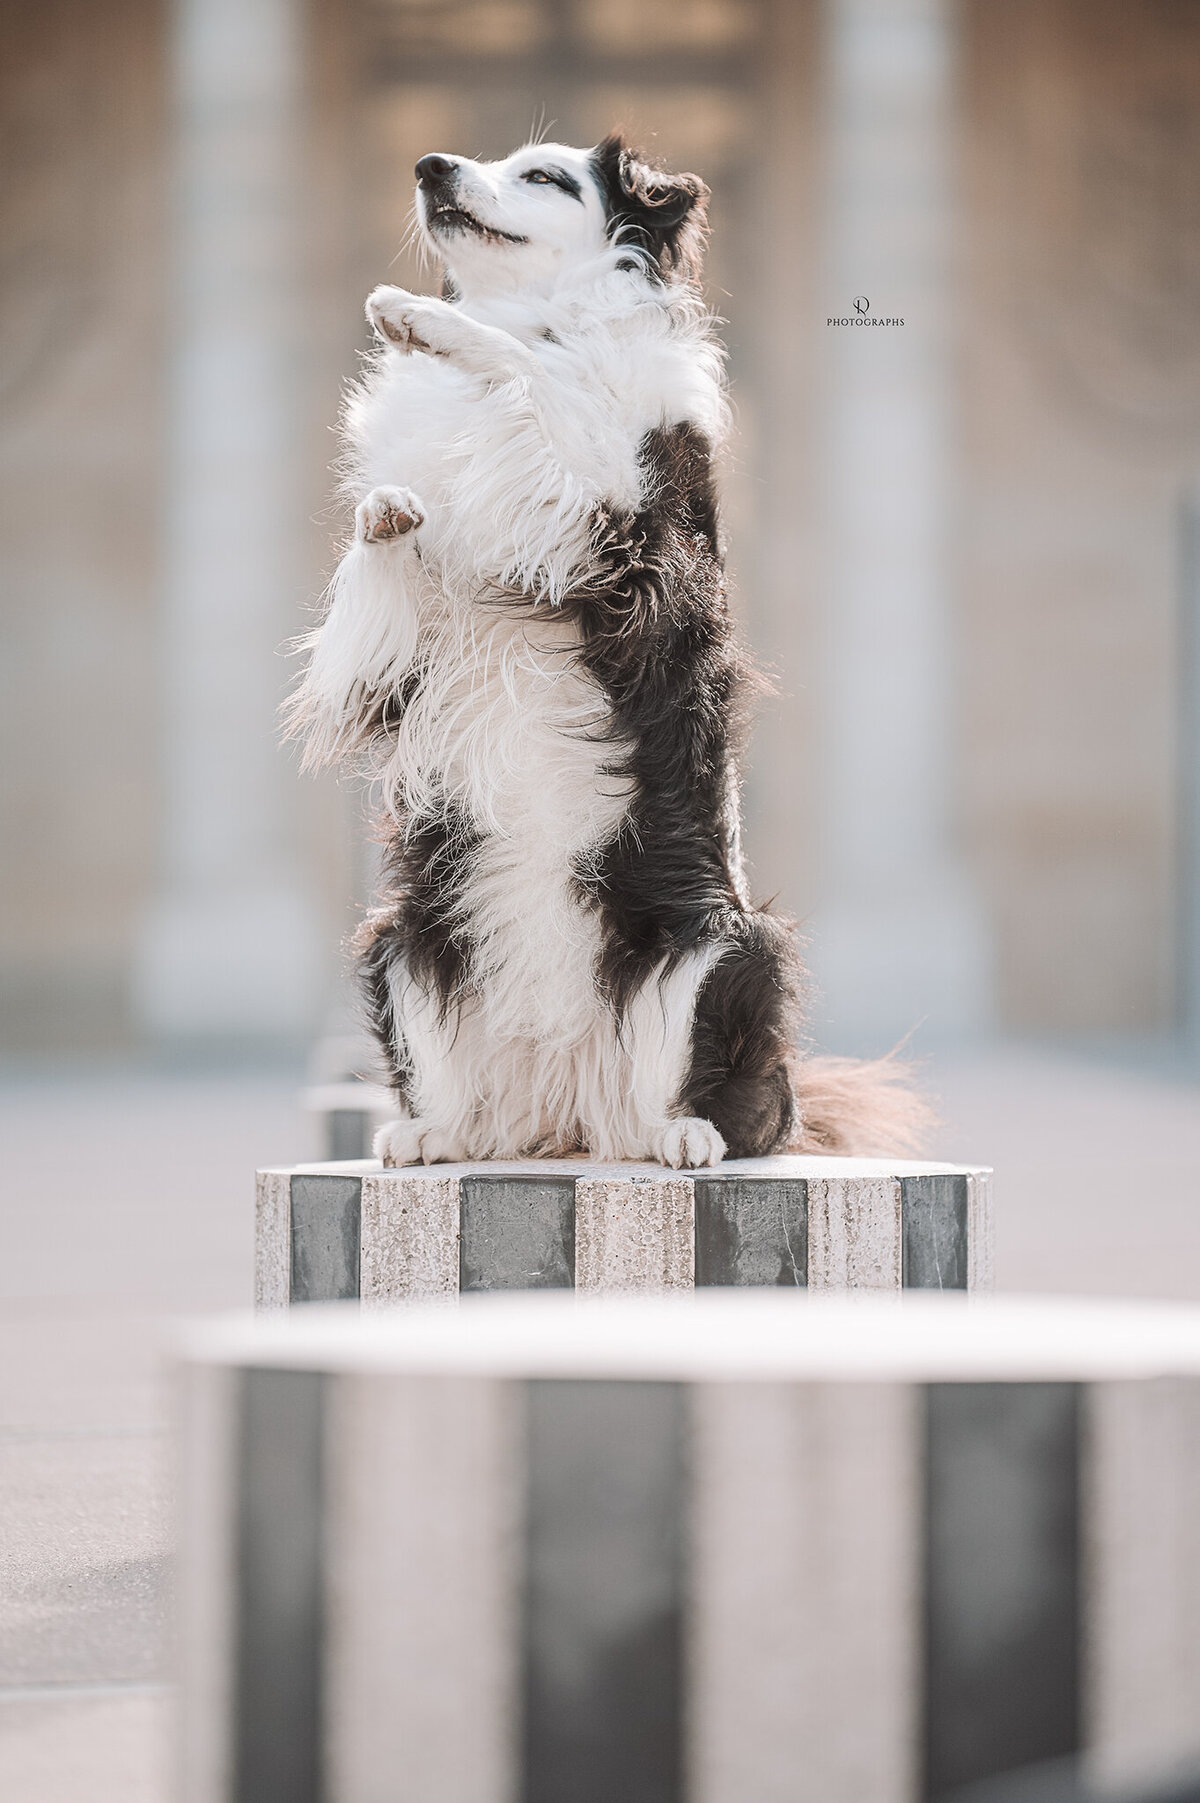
(330, 1232)
(349, 1111)
(688, 1549)
(1067, 1781)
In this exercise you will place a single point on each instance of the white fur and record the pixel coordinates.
(507, 418)
(477, 1096)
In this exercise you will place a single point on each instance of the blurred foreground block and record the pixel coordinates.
(328, 1232)
(1068, 1781)
(719, 1548)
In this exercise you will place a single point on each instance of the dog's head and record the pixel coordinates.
(522, 222)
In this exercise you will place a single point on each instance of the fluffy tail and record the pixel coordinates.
(866, 1108)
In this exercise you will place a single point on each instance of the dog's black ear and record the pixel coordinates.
(664, 215)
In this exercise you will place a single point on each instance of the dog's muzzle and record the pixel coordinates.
(437, 184)
(436, 174)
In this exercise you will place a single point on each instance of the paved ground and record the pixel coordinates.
(126, 1201)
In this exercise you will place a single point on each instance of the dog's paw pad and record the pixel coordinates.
(401, 318)
(386, 514)
(690, 1143)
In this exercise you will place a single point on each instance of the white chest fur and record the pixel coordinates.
(503, 730)
(504, 725)
(511, 734)
(510, 472)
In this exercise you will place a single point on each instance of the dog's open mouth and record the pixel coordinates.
(457, 219)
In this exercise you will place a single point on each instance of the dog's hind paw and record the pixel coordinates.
(690, 1143)
(387, 513)
(414, 1142)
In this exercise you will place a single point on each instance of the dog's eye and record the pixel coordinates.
(555, 178)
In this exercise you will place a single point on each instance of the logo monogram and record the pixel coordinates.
(862, 315)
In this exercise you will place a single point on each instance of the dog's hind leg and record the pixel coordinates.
(630, 1104)
(709, 1046)
(740, 1072)
(432, 1048)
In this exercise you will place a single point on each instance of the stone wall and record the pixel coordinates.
(1073, 432)
(1081, 411)
(80, 459)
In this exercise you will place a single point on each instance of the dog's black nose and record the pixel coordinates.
(433, 170)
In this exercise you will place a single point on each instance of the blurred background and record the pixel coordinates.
(968, 548)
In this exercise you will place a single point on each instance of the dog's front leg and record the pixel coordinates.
(359, 655)
(417, 323)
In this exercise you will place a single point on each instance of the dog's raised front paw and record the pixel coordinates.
(408, 321)
(414, 1142)
(387, 513)
(688, 1143)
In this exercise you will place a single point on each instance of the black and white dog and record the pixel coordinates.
(528, 644)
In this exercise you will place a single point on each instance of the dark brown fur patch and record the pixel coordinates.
(428, 867)
(662, 216)
(744, 1030)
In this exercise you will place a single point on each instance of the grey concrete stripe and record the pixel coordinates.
(516, 1233)
(751, 1230)
(933, 1213)
(603, 1664)
(278, 1639)
(1002, 1580)
(348, 1133)
(326, 1234)
(1071, 1781)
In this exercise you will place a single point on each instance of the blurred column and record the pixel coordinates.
(231, 949)
(898, 939)
(1188, 780)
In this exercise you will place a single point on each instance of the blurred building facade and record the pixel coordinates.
(962, 544)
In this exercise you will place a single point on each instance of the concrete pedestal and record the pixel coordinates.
(688, 1549)
(328, 1232)
(349, 1112)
